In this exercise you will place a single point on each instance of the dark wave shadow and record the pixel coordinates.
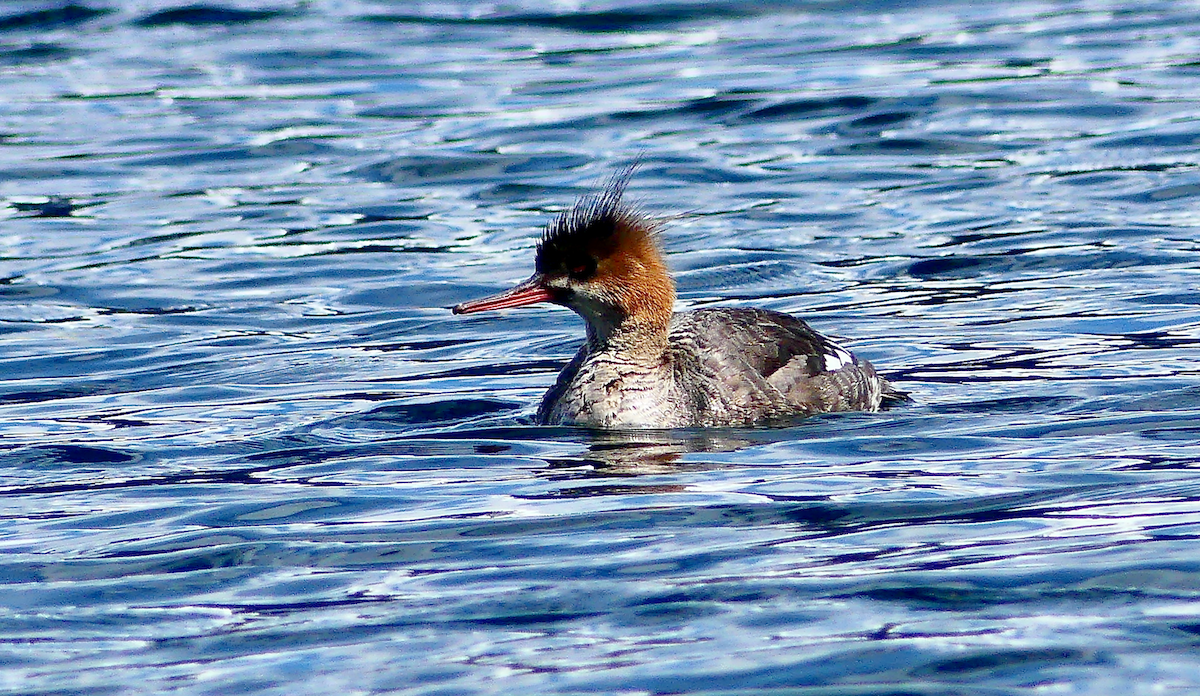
(68, 15)
(206, 15)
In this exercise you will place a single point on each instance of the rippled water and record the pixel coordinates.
(247, 449)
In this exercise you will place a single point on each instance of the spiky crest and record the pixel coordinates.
(593, 225)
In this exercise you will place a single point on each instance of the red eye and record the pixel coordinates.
(581, 269)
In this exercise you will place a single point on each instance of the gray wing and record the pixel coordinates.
(799, 368)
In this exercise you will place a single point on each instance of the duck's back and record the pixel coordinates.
(742, 366)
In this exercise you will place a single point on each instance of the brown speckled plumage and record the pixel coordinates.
(721, 367)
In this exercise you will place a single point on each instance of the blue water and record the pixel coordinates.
(246, 449)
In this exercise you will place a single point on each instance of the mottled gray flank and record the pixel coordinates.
(721, 367)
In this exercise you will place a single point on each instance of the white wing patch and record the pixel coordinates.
(836, 358)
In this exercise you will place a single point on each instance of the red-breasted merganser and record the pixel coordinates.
(645, 365)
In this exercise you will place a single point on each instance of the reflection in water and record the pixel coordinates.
(647, 452)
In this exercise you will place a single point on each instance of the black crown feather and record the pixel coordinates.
(589, 223)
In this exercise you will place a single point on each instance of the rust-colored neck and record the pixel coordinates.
(638, 297)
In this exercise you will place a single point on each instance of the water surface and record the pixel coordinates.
(248, 450)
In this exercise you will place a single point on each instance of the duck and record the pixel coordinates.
(645, 365)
